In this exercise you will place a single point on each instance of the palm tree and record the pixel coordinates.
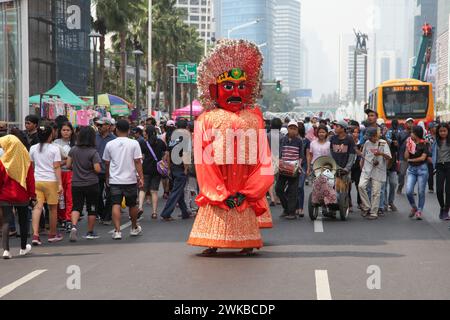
(99, 26)
(117, 16)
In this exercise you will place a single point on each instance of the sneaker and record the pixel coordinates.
(117, 235)
(62, 226)
(364, 213)
(291, 217)
(446, 215)
(136, 232)
(393, 208)
(55, 238)
(36, 241)
(73, 235)
(441, 214)
(381, 213)
(419, 215)
(107, 223)
(26, 251)
(431, 191)
(68, 227)
(372, 217)
(91, 236)
(7, 255)
(413, 212)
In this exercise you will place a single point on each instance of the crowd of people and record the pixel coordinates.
(379, 160)
(52, 174)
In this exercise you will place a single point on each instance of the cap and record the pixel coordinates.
(343, 124)
(170, 123)
(293, 123)
(104, 121)
(409, 119)
(367, 111)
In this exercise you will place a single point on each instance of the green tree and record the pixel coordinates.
(276, 101)
(116, 16)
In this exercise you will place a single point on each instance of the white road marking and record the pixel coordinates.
(318, 225)
(126, 225)
(5, 290)
(322, 285)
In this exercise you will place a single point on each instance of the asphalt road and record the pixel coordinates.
(399, 257)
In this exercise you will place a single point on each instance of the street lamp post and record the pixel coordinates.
(242, 26)
(137, 55)
(174, 87)
(95, 36)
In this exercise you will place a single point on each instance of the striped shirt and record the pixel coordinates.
(291, 149)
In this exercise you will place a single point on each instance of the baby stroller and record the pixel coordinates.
(330, 190)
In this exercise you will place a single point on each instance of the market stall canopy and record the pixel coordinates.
(66, 96)
(117, 105)
(197, 109)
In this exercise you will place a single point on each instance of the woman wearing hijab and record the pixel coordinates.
(17, 189)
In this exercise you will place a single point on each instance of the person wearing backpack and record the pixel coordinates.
(154, 150)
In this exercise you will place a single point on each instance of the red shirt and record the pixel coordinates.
(12, 192)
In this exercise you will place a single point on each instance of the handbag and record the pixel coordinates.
(162, 166)
(288, 168)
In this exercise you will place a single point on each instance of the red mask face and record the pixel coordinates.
(231, 95)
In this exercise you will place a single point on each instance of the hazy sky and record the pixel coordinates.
(323, 21)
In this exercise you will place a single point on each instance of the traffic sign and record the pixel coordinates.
(187, 72)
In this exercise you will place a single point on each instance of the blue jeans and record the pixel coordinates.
(177, 195)
(417, 175)
(383, 197)
(391, 184)
(301, 190)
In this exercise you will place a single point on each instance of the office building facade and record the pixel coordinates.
(287, 44)
(278, 33)
(59, 44)
(394, 39)
(13, 61)
(233, 13)
(200, 15)
(442, 51)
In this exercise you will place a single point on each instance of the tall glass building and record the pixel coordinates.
(12, 75)
(59, 44)
(287, 44)
(233, 13)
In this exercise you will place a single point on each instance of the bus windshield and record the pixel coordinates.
(406, 101)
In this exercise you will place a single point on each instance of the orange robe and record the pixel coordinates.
(265, 221)
(249, 172)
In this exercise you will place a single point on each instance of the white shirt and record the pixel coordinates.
(378, 172)
(121, 153)
(44, 162)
